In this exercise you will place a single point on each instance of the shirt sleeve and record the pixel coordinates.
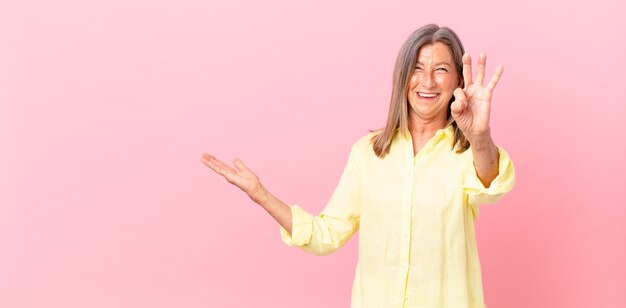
(503, 183)
(338, 221)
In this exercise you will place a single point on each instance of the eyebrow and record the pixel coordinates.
(436, 64)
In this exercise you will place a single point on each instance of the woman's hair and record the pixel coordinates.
(398, 118)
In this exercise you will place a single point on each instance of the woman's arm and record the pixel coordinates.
(278, 209)
(249, 182)
(471, 110)
(486, 157)
(321, 234)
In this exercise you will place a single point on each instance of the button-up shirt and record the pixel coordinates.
(415, 216)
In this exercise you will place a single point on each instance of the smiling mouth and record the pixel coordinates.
(427, 95)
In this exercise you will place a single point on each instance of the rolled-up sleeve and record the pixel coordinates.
(338, 221)
(503, 183)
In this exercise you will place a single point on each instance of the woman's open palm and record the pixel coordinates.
(472, 104)
(240, 176)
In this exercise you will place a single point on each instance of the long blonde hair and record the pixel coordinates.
(398, 118)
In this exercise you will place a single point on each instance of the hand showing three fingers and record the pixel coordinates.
(241, 177)
(472, 104)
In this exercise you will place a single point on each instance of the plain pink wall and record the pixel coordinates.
(106, 106)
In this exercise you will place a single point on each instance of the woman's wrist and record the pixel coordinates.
(260, 196)
(481, 142)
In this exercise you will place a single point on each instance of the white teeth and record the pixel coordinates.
(427, 95)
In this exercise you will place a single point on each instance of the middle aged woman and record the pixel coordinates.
(412, 188)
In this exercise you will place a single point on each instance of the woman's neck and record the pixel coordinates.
(425, 128)
(422, 130)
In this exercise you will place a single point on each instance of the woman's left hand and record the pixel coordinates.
(472, 104)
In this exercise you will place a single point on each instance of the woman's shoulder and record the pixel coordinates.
(364, 140)
(363, 145)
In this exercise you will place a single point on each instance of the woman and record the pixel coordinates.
(412, 188)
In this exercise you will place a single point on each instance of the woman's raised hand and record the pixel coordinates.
(472, 104)
(240, 176)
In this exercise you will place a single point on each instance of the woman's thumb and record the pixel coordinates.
(239, 165)
(459, 102)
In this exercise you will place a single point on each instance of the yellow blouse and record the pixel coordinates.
(416, 219)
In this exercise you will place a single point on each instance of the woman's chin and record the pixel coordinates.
(428, 111)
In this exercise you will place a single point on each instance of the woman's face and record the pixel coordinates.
(433, 82)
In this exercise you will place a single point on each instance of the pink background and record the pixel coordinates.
(106, 107)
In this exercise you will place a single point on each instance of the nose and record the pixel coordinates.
(427, 81)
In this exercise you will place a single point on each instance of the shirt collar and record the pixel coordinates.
(446, 133)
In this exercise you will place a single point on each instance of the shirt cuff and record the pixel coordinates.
(504, 181)
(301, 230)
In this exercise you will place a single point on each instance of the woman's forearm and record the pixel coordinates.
(278, 209)
(486, 159)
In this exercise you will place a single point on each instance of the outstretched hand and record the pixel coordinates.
(472, 104)
(240, 176)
